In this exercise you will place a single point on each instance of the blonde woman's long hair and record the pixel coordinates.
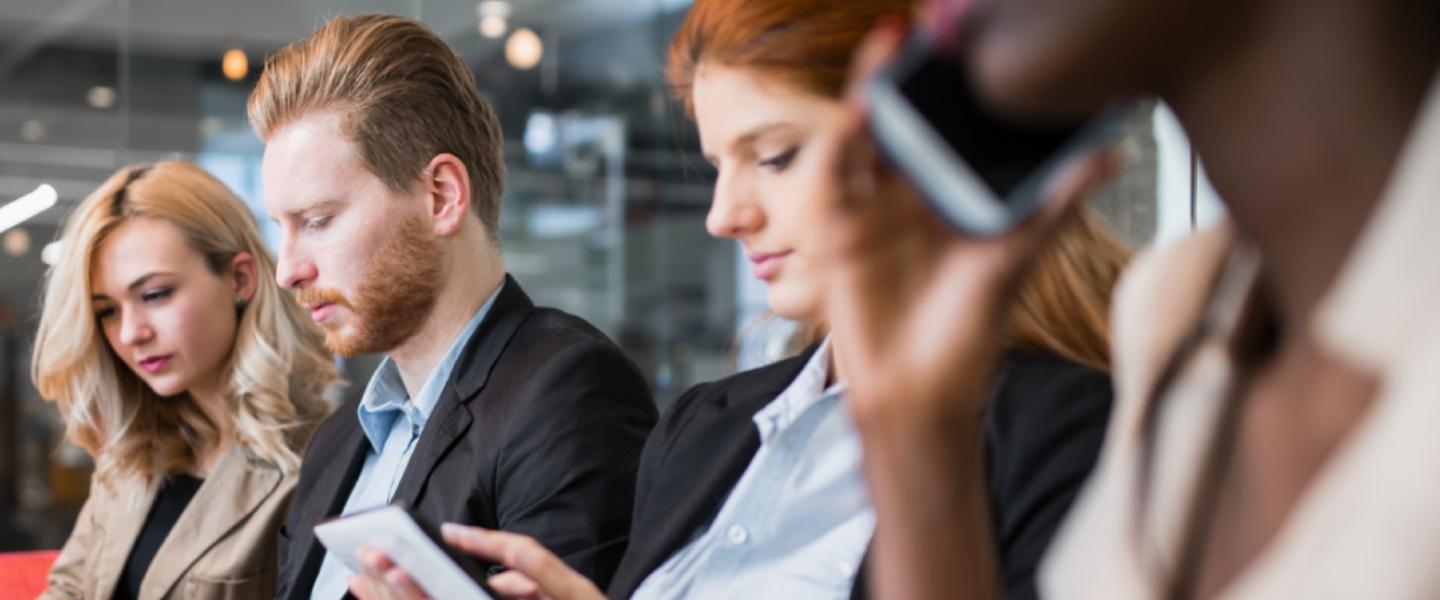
(277, 370)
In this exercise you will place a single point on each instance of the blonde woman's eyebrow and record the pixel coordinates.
(139, 281)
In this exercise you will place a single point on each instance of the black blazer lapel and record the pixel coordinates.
(445, 427)
(327, 499)
(698, 480)
(472, 369)
(709, 455)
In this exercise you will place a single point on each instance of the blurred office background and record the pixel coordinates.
(603, 216)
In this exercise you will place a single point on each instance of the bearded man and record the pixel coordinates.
(383, 170)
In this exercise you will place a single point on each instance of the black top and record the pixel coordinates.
(174, 495)
(1044, 424)
(538, 431)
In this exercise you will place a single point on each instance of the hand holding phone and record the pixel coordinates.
(983, 172)
(412, 543)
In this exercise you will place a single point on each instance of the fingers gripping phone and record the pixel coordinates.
(411, 542)
(983, 173)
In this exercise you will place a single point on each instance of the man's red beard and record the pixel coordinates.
(394, 297)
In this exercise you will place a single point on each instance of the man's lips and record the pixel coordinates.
(320, 312)
(154, 364)
(767, 264)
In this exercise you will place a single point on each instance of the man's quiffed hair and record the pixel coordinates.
(403, 97)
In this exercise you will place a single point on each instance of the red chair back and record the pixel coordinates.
(22, 574)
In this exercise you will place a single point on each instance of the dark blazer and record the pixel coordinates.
(1044, 424)
(538, 431)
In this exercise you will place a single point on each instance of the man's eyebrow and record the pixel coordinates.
(318, 206)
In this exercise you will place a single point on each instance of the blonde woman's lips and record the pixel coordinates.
(154, 364)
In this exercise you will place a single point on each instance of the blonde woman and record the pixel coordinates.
(192, 379)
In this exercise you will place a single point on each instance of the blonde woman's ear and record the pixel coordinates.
(242, 273)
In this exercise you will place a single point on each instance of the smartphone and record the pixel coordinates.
(413, 543)
(982, 172)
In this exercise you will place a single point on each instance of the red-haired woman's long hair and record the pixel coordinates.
(1063, 305)
(807, 43)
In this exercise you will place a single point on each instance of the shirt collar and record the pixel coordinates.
(386, 400)
(805, 391)
(1383, 303)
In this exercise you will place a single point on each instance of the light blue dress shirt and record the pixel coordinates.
(392, 422)
(797, 523)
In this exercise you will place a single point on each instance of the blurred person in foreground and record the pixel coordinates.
(1277, 375)
(751, 485)
(383, 170)
(191, 378)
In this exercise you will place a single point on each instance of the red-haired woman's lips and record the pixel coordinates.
(767, 265)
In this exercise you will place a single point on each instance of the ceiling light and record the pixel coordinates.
(17, 242)
(101, 96)
(235, 65)
(27, 206)
(493, 27)
(494, 17)
(50, 254)
(524, 49)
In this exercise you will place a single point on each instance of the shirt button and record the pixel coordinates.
(737, 535)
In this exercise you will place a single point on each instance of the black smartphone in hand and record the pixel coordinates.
(982, 172)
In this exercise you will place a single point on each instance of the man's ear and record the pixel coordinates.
(447, 192)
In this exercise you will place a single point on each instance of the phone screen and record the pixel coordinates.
(1001, 153)
(410, 541)
(982, 172)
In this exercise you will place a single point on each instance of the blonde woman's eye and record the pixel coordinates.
(317, 222)
(156, 294)
(105, 313)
